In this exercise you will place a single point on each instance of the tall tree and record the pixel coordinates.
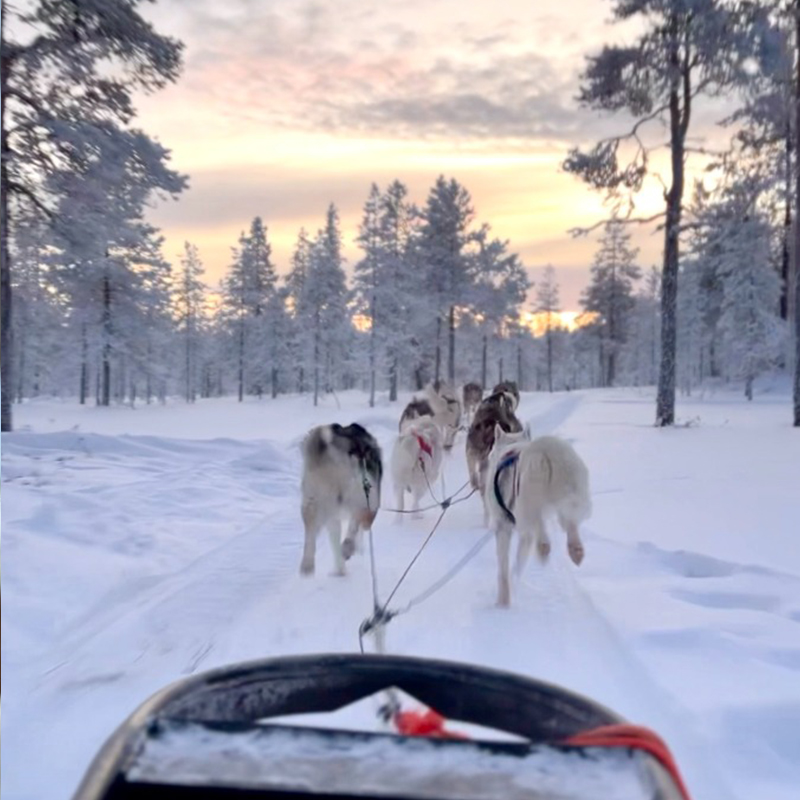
(249, 289)
(367, 278)
(189, 298)
(444, 237)
(610, 294)
(61, 92)
(547, 303)
(685, 50)
(326, 297)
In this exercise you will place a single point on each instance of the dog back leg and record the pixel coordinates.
(502, 535)
(335, 533)
(351, 540)
(542, 539)
(311, 523)
(574, 543)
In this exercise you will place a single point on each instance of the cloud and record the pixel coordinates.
(350, 67)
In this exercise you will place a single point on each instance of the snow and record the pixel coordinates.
(193, 754)
(144, 545)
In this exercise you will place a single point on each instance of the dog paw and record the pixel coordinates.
(348, 548)
(339, 572)
(575, 553)
(543, 548)
(306, 567)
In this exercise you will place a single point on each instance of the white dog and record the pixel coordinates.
(342, 472)
(416, 461)
(527, 482)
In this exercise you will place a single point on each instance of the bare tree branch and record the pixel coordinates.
(577, 232)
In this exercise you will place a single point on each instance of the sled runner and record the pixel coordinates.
(209, 737)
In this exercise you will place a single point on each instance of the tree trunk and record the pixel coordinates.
(549, 358)
(21, 364)
(483, 362)
(274, 377)
(105, 390)
(519, 366)
(500, 371)
(241, 360)
(6, 333)
(148, 382)
(786, 248)
(679, 121)
(796, 270)
(316, 359)
(188, 365)
(372, 355)
(84, 387)
(438, 350)
(451, 347)
(393, 381)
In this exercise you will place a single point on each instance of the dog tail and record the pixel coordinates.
(317, 442)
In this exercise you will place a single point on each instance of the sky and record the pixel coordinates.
(285, 106)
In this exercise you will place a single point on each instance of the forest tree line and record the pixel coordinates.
(92, 307)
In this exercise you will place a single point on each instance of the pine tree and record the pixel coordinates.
(610, 294)
(326, 298)
(59, 106)
(443, 242)
(683, 51)
(547, 303)
(249, 290)
(189, 296)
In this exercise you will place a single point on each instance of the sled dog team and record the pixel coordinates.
(522, 481)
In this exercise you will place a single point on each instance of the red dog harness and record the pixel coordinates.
(423, 445)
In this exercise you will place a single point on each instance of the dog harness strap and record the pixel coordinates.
(509, 460)
(424, 446)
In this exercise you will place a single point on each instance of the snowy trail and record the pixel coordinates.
(171, 556)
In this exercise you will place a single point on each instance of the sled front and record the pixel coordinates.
(210, 737)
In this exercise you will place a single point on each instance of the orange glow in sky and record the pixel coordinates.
(284, 107)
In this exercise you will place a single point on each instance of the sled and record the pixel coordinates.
(210, 737)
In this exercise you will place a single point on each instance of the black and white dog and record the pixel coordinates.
(342, 471)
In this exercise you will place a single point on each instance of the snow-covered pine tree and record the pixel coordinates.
(610, 294)
(326, 298)
(249, 288)
(366, 279)
(189, 301)
(443, 243)
(300, 321)
(737, 246)
(683, 51)
(547, 303)
(404, 309)
(59, 103)
(106, 257)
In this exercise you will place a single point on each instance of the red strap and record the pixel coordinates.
(636, 737)
(424, 446)
(424, 723)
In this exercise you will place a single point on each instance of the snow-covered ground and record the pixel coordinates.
(143, 545)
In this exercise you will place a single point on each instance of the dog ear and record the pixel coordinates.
(337, 428)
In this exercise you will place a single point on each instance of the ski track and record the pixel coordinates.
(201, 543)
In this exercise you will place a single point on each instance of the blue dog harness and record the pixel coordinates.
(509, 460)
